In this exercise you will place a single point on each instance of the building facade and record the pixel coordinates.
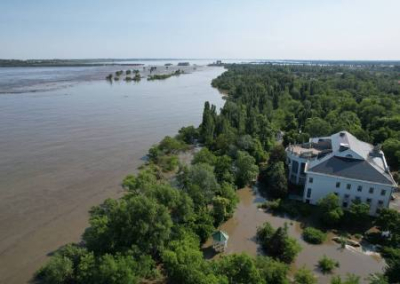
(343, 165)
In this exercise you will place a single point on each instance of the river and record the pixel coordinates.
(67, 149)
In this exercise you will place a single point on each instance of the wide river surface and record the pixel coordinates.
(65, 150)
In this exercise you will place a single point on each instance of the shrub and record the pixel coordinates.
(304, 276)
(313, 236)
(327, 264)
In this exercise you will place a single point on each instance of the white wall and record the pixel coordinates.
(322, 185)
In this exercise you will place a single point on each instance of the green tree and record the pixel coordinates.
(135, 220)
(245, 169)
(304, 276)
(276, 180)
(204, 156)
(272, 271)
(59, 270)
(239, 268)
(331, 212)
(327, 265)
(317, 127)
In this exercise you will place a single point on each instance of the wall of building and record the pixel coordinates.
(318, 186)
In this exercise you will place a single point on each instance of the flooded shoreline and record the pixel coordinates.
(242, 228)
(65, 150)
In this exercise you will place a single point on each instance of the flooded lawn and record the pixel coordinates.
(242, 238)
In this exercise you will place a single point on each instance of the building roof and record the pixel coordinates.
(352, 158)
(220, 236)
(350, 168)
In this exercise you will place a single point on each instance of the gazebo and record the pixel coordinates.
(220, 241)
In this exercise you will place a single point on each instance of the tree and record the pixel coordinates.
(389, 220)
(391, 147)
(245, 169)
(116, 270)
(58, 270)
(313, 236)
(276, 180)
(304, 276)
(203, 178)
(327, 265)
(359, 212)
(350, 279)
(277, 243)
(219, 210)
(277, 154)
(239, 268)
(204, 156)
(272, 271)
(317, 127)
(331, 212)
(134, 220)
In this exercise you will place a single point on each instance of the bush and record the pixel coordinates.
(304, 276)
(327, 264)
(168, 163)
(277, 243)
(313, 236)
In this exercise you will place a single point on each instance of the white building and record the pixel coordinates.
(344, 165)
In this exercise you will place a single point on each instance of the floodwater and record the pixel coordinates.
(65, 150)
(242, 228)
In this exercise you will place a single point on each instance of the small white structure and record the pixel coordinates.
(343, 165)
(220, 241)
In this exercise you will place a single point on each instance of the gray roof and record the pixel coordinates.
(350, 168)
(366, 165)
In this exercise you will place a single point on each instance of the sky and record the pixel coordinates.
(225, 29)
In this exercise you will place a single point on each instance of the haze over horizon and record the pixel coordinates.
(300, 30)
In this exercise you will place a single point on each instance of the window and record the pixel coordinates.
(337, 184)
(336, 193)
(308, 192)
(371, 190)
(295, 167)
(345, 204)
(357, 199)
(310, 180)
(383, 192)
(302, 168)
(359, 188)
(348, 186)
(380, 202)
(369, 200)
(346, 196)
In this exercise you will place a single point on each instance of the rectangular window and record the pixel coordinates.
(359, 188)
(346, 196)
(380, 202)
(337, 184)
(308, 192)
(345, 204)
(371, 190)
(336, 193)
(369, 200)
(348, 186)
(295, 167)
(383, 192)
(310, 180)
(358, 199)
(302, 168)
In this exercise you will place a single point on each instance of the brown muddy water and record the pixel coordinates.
(65, 150)
(242, 228)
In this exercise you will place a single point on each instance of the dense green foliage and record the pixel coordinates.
(313, 236)
(327, 265)
(330, 209)
(277, 243)
(157, 228)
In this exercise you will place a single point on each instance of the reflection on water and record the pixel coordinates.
(63, 151)
(242, 228)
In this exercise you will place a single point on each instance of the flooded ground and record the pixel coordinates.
(65, 150)
(242, 238)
